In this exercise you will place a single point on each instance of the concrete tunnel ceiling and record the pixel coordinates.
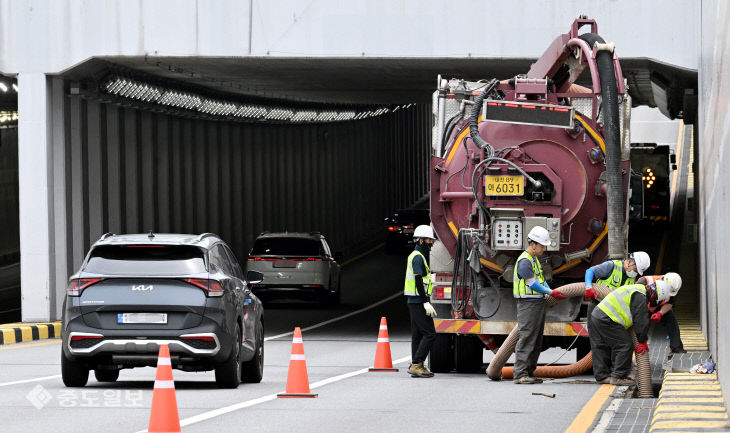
(367, 81)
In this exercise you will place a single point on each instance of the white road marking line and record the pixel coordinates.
(37, 379)
(244, 404)
(327, 322)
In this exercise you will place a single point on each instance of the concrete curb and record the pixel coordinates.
(11, 333)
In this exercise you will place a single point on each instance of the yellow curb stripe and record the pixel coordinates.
(8, 336)
(587, 415)
(691, 400)
(688, 424)
(697, 392)
(689, 408)
(27, 333)
(690, 415)
(43, 332)
(690, 387)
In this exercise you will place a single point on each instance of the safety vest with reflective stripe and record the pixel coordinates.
(409, 289)
(651, 279)
(617, 305)
(613, 281)
(519, 285)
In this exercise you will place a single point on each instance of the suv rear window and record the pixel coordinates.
(286, 247)
(146, 260)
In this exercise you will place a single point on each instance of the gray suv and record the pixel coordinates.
(133, 293)
(295, 265)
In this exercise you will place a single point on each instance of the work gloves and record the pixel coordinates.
(642, 348)
(430, 311)
(657, 317)
(557, 294)
(590, 294)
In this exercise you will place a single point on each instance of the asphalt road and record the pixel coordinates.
(33, 398)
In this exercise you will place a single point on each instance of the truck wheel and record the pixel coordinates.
(469, 353)
(73, 373)
(441, 357)
(582, 347)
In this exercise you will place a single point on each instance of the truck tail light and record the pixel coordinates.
(77, 285)
(394, 228)
(212, 288)
(442, 292)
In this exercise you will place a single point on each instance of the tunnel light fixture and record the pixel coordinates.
(3, 87)
(8, 117)
(133, 89)
(15, 87)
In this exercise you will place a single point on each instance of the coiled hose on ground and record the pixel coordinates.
(496, 369)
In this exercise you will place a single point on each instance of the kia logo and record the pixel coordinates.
(142, 288)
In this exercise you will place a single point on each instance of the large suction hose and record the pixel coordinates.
(496, 369)
(617, 235)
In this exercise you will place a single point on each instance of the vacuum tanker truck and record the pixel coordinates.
(511, 153)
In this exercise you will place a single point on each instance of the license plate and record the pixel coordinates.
(148, 318)
(408, 231)
(504, 185)
(285, 264)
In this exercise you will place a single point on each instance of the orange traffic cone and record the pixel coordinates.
(383, 361)
(297, 383)
(163, 416)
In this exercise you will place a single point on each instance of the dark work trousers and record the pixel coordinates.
(422, 333)
(531, 322)
(669, 322)
(611, 345)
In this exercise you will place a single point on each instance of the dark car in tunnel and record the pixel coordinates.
(134, 293)
(296, 265)
(399, 229)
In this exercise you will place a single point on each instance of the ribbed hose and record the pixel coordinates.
(643, 371)
(611, 130)
(556, 371)
(496, 369)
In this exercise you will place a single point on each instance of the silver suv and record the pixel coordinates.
(295, 265)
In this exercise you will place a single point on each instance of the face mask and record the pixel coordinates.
(631, 274)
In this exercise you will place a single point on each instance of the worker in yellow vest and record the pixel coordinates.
(609, 323)
(417, 289)
(614, 274)
(530, 289)
(664, 313)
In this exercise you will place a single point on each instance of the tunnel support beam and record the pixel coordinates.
(35, 177)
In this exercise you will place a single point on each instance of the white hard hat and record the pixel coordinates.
(674, 281)
(540, 235)
(642, 261)
(662, 292)
(424, 231)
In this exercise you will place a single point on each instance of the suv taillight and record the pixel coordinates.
(77, 285)
(211, 287)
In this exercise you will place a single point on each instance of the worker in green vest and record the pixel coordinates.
(530, 289)
(417, 289)
(609, 325)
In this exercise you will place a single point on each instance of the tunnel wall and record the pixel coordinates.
(125, 170)
(9, 233)
(714, 187)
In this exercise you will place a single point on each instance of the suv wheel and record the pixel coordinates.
(73, 373)
(228, 373)
(253, 370)
(106, 375)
